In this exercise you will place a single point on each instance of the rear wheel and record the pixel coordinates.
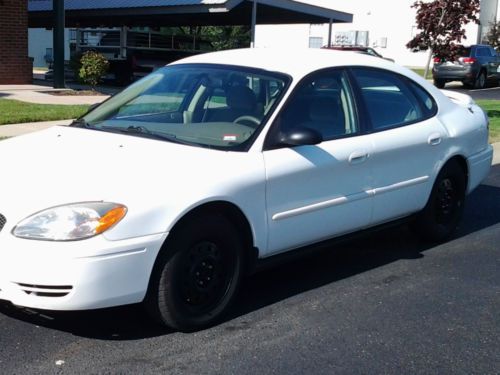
(443, 211)
(197, 274)
(468, 85)
(480, 80)
(439, 83)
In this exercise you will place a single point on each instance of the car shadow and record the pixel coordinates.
(325, 266)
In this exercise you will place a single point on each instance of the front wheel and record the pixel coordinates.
(197, 274)
(443, 211)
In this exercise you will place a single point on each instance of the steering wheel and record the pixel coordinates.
(251, 119)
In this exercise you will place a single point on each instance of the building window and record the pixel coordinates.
(315, 42)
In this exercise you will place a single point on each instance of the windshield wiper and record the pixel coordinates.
(142, 131)
(81, 123)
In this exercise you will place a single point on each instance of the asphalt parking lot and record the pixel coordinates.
(385, 303)
(382, 304)
(489, 93)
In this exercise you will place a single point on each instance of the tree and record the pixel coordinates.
(220, 37)
(93, 66)
(493, 35)
(227, 37)
(441, 24)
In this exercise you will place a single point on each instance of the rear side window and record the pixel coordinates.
(428, 104)
(482, 52)
(391, 100)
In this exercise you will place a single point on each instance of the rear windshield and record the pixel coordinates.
(464, 52)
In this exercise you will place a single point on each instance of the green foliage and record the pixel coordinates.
(227, 37)
(492, 109)
(75, 64)
(493, 35)
(441, 24)
(15, 112)
(219, 37)
(93, 66)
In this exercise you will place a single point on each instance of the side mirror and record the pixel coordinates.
(301, 137)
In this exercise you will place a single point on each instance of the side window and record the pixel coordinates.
(216, 100)
(322, 102)
(482, 52)
(389, 101)
(428, 104)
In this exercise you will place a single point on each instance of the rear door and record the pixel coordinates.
(407, 141)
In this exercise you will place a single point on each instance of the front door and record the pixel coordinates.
(316, 192)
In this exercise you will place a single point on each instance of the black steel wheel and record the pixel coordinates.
(443, 211)
(197, 274)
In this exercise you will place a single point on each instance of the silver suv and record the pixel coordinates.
(475, 66)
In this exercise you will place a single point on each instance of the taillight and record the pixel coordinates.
(467, 60)
(437, 60)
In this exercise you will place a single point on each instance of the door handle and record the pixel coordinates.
(358, 157)
(434, 139)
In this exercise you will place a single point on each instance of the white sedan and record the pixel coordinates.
(170, 191)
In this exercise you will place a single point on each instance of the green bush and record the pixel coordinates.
(93, 66)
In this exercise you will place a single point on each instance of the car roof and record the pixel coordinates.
(295, 62)
(298, 63)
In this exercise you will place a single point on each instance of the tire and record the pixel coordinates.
(197, 274)
(443, 211)
(480, 82)
(468, 85)
(439, 83)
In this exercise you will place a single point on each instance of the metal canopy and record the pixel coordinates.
(112, 13)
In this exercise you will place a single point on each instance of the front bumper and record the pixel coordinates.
(78, 275)
(479, 167)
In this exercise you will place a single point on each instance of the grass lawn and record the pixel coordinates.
(14, 111)
(421, 72)
(492, 108)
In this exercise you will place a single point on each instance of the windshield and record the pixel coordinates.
(203, 105)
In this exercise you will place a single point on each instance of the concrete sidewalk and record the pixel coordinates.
(39, 94)
(29, 127)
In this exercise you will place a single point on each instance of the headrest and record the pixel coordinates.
(241, 97)
(324, 109)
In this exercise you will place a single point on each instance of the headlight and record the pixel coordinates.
(70, 222)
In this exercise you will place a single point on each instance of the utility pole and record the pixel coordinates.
(58, 43)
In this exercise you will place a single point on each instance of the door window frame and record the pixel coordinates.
(361, 103)
(271, 142)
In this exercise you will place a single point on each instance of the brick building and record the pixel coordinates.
(15, 65)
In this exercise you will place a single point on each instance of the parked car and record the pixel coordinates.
(475, 66)
(171, 191)
(360, 49)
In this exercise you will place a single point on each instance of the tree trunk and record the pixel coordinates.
(428, 63)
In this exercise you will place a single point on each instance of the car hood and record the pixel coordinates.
(64, 165)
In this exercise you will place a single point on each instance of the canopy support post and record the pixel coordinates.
(254, 23)
(58, 43)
